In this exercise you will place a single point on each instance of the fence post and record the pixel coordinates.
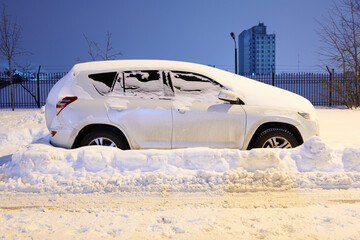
(331, 73)
(38, 87)
(331, 83)
(273, 78)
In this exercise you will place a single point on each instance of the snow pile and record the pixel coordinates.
(20, 128)
(339, 126)
(36, 166)
(43, 168)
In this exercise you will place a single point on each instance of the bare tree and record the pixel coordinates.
(97, 53)
(25, 74)
(340, 33)
(9, 45)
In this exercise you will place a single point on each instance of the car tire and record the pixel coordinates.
(104, 136)
(275, 138)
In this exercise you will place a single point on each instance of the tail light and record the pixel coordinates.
(63, 103)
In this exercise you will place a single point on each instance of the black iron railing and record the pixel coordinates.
(318, 88)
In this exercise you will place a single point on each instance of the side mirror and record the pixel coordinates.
(229, 96)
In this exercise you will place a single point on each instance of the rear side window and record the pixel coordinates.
(103, 82)
(147, 83)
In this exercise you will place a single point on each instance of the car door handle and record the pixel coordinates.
(118, 108)
(181, 110)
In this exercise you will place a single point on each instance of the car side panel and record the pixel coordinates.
(147, 121)
(207, 124)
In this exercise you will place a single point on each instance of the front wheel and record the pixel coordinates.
(104, 136)
(275, 138)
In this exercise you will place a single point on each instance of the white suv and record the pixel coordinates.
(142, 104)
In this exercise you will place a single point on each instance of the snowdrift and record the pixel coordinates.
(39, 167)
(43, 168)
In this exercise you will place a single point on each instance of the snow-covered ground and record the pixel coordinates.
(310, 192)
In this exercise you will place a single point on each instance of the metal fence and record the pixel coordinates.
(28, 92)
(313, 86)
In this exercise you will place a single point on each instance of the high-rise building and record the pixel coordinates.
(256, 51)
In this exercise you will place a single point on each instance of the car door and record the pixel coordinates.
(137, 105)
(200, 119)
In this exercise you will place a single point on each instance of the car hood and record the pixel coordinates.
(255, 93)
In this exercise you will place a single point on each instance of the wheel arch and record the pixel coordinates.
(85, 130)
(291, 128)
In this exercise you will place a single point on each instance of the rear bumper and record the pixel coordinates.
(63, 138)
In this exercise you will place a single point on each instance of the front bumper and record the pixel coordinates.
(308, 129)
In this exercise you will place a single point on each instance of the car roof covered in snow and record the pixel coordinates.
(223, 77)
(139, 65)
(248, 90)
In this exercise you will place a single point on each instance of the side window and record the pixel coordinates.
(103, 82)
(147, 83)
(196, 86)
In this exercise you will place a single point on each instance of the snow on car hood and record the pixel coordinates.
(255, 93)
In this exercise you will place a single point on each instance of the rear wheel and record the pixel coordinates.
(275, 138)
(105, 136)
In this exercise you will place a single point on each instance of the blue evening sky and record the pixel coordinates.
(187, 30)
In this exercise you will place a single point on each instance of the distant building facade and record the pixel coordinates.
(256, 51)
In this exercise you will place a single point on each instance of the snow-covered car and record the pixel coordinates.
(142, 104)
